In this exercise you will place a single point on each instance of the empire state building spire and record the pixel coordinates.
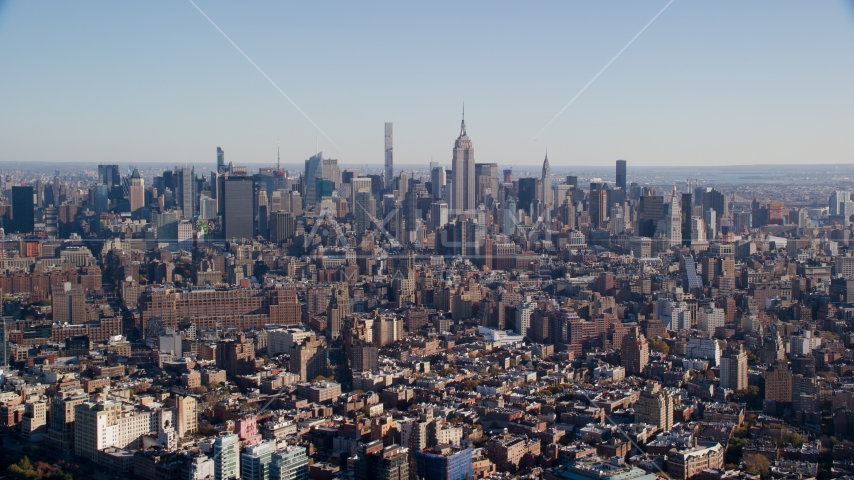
(463, 123)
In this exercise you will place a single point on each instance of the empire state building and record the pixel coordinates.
(463, 170)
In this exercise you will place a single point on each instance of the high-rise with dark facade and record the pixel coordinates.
(621, 174)
(109, 175)
(220, 160)
(23, 209)
(527, 194)
(238, 203)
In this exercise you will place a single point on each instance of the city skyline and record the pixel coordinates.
(681, 93)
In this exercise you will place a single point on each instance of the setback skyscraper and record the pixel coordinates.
(547, 182)
(462, 166)
(137, 193)
(389, 154)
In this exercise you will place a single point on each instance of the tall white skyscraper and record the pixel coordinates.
(547, 183)
(674, 220)
(389, 154)
(463, 170)
(437, 178)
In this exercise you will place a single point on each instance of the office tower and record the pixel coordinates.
(486, 182)
(674, 219)
(621, 175)
(137, 193)
(56, 191)
(836, 198)
(23, 209)
(598, 205)
(444, 462)
(289, 463)
(548, 195)
(650, 212)
(364, 209)
(281, 226)
(635, 352)
(375, 462)
(698, 230)
(711, 224)
(101, 198)
(226, 456)
(686, 212)
(389, 154)
(509, 221)
(220, 160)
(255, 461)
(438, 215)
(207, 208)
(186, 235)
(238, 208)
(655, 407)
(312, 173)
(109, 175)
(734, 369)
(462, 166)
(236, 356)
(412, 217)
(358, 184)
(187, 192)
(317, 167)
(527, 195)
(708, 197)
(402, 184)
(438, 180)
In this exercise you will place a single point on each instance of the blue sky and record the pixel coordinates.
(708, 83)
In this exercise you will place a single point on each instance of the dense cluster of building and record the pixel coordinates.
(439, 324)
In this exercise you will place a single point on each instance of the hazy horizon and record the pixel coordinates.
(704, 84)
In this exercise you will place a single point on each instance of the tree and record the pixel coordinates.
(757, 464)
(750, 396)
(796, 439)
(659, 345)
